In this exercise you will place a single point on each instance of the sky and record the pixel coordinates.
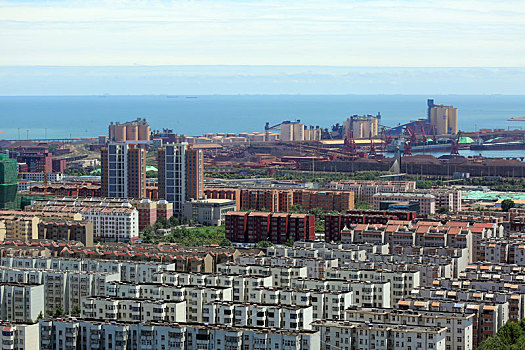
(328, 33)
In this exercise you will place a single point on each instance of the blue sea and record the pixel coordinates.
(89, 116)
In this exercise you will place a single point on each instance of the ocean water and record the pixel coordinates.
(89, 116)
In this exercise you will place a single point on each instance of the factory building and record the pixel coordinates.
(362, 127)
(444, 119)
(136, 130)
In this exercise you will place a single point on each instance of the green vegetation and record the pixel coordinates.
(363, 205)
(59, 312)
(428, 183)
(152, 174)
(52, 147)
(179, 233)
(320, 176)
(319, 226)
(283, 174)
(263, 244)
(76, 311)
(442, 210)
(81, 172)
(509, 337)
(506, 204)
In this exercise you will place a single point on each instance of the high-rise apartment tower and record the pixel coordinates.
(123, 171)
(181, 174)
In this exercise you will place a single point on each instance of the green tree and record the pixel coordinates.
(318, 212)
(263, 244)
(59, 311)
(52, 147)
(506, 204)
(152, 174)
(363, 205)
(76, 311)
(443, 210)
(174, 221)
(296, 208)
(40, 316)
(225, 243)
(319, 226)
(161, 223)
(289, 242)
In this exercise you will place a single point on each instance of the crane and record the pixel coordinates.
(387, 138)
(407, 151)
(423, 134)
(454, 151)
(412, 134)
(372, 153)
(349, 145)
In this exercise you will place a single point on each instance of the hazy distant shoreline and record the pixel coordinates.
(258, 80)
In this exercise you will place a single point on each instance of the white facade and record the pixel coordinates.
(208, 212)
(113, 224)
(51, 177)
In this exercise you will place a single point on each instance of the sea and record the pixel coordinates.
(32, 117)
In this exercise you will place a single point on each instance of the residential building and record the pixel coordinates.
(181, 174)
(19, 336)
(360, 335)
(110, 224)
(427, 202)
(253, 227)
(61, 229)
(8, 182)
(123, 171)
(209, 212)
(194, 173)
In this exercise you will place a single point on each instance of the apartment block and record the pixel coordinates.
(488, 316)
(60, 229)
(132, 310)
(209, 212)
(275, 227)
(349, 335)
(459, 326)
(427, 202)
(89, 334)
(365, 189)
(335, 223)
(181, 174)
(123, 171)
(18, 336)
(21, 302)
(194, 173)
(110, 224)
(18, 226)
(281, 200)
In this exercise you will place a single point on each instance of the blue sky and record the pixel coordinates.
(189, 43)
(413, 33)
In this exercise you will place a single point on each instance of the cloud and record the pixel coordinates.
(355, 33)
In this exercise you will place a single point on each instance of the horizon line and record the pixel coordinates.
(259, 65)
